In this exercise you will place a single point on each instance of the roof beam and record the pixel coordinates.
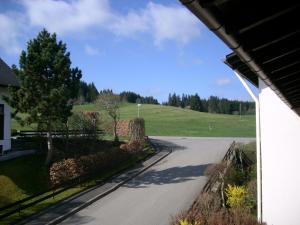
(267, 19)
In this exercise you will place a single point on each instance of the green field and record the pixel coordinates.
(172, 121)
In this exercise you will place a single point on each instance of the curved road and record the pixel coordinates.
(162, 191)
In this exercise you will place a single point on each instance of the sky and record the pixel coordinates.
(152, 47)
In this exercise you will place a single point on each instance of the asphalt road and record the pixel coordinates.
(161, 192)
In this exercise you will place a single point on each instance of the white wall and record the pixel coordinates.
(6, 143)
(280, 145)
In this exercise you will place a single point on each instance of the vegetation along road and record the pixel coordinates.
(162, 191)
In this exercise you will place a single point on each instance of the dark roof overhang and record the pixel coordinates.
(7, 77)
(265, 39)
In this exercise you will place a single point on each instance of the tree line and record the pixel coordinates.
(88, 93)
(213, 104)
(133, 97)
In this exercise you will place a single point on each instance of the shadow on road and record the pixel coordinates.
(163, 144)
(77, 219)
(167, 176)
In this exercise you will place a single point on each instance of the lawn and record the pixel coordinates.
(22, 177)
(171, 121)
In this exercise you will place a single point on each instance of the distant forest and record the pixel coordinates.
(213, 104)
(88, 93)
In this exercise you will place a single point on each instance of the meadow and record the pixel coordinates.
(172, 121)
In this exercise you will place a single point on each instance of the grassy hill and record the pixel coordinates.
(172, 121)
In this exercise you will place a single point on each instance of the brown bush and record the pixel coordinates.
(234, 216)
(69, 169)
(220, 217)
(133, 146)
(65, 170)
(207, 211)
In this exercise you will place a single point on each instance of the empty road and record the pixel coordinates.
(162, 191)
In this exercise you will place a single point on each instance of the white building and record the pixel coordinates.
(7, 78)
(265, 40)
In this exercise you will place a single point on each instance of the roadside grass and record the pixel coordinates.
(34, 175)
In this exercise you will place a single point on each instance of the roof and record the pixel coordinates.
(7, 77)
(265, 39)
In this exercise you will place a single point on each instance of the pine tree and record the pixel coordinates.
(195, 102)
(48, 83)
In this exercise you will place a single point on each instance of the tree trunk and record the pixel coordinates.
(67, 135)
(115, 130)
(49, 145)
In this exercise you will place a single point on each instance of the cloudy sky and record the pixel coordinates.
(150, 47)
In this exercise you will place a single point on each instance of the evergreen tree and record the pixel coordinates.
(48, 83)
(195, 103)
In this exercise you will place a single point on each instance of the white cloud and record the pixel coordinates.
(75, 17)
(10, 31)
(91, 51)
(67, 16)
(162, 22)
(172, 23)
(223, 81)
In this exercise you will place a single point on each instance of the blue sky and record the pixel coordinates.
(150, 47)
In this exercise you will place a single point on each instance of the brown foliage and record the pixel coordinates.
(69, 169)
(206, 210)
(133, 146)
(222, 216)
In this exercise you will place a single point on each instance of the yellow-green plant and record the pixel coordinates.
(186, 222)
(237, 196)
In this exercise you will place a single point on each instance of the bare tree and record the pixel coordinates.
(110, 103)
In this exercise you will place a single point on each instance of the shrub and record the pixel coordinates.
(69, 169)
(133, 146)
(185, 222)
(64, 171)
(237, 176)
(233, 216)
(237, 196)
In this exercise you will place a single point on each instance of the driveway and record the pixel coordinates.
(164, 190)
